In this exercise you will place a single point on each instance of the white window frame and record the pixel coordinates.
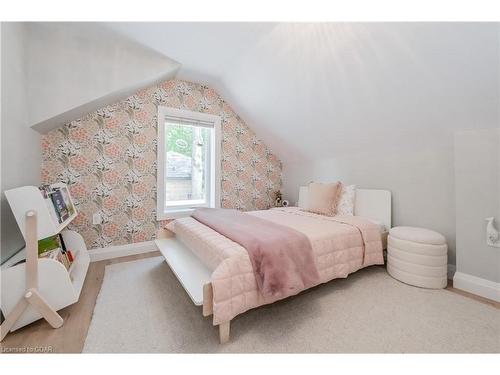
(214, 180)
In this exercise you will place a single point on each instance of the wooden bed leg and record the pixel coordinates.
(224, 332)
(208, 300)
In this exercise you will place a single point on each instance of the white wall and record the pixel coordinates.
(401, 137)
(20, 145)
(76, 68)
(421, 181)
(477, 183)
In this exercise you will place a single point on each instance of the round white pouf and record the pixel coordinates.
(417, 256)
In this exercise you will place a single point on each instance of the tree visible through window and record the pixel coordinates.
(186, 165)
(188, 161)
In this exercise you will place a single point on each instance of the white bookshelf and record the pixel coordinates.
(28, 198)
(60, 287)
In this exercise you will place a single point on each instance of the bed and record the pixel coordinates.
(217, 273)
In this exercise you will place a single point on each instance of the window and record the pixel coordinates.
(188, 162)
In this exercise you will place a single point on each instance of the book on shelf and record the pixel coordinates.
(45, 190)
(53, 248)
(69, 253)
(60, 205)
(48, 244)
(58, 201)
(67, 200)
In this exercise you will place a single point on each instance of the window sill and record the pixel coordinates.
(175, 214)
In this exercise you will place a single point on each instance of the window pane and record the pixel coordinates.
(186, 167)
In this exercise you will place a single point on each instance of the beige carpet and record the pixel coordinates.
(143, 308)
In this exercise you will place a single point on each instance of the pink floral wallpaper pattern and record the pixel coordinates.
(108, 159)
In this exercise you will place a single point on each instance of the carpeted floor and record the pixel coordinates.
(143, 308)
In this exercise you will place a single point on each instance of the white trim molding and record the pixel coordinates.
(451, 271)
(213, 187)
(121, 250)
(476, 285)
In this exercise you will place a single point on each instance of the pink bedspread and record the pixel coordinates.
(341, 245)
(282, 257)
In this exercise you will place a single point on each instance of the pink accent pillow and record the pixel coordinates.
(323, 198)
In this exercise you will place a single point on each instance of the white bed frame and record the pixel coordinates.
(195, 277)
(369, 203)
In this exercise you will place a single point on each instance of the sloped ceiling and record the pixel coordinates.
(310, 91)
(325, 90)
(76, 68)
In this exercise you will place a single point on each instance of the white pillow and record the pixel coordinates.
(345, 206)
(303, 192)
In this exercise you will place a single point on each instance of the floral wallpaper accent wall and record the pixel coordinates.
(108, 159)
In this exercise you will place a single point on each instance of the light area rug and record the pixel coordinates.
(142, 308)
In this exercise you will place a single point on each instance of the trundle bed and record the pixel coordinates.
(217, 273)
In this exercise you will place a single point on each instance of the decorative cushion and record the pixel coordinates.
(346, 201)
(323, 198)
(420, 235)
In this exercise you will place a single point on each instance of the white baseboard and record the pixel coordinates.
(121, 250)
(476, 285)
(451, 271)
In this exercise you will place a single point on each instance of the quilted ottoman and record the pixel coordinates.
(417, 256)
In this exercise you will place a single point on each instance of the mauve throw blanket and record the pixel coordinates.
(281, 257)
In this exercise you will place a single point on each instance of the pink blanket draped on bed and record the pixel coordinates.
(281, 257)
